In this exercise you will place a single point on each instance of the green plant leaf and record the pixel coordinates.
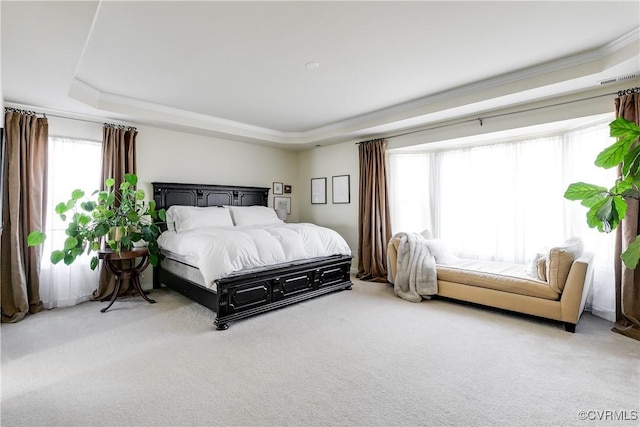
(69, 258)
(620, 206)
(125, 242)
(77, 194)
(162, 214)
(131, 178)
(621, 186)
(70, 243)
(61, 208)
(631, 162)
(36, 238)
(109, 182)
(101, 230)
(153, 260)
(140, 195)
(631, 256)
(88, 206)
(600, 215)
(57, 256)
(133, 216)
(582, 190)
(94, 262)
(623, 127)
(614, 154)
(84, 219)
(592, 201)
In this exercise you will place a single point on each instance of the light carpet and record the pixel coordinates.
(360, 357)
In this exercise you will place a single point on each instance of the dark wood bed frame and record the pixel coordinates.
(243, 295)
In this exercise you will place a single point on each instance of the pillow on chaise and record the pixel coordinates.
(560, 260)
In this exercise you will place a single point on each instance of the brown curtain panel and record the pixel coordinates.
(24, 204)
(118, 158)
(373, 216)
(627, 281)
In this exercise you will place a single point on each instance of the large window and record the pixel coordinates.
(505, 201)
(73, 164)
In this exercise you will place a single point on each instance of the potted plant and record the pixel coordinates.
(120, 219)
(607, 207)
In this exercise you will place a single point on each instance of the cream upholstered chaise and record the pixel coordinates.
(507, 286)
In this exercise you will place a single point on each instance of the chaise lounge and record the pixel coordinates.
(559, 294)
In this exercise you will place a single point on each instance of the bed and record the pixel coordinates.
(243, 294)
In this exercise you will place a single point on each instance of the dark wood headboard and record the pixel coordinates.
(168, 194)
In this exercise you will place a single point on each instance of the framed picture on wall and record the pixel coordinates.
(318, 191)
(282, 203)
(340, 190)
(287, 189)
(277, 188)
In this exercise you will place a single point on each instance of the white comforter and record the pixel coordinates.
(221, 251)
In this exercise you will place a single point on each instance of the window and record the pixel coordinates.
(505, 201)
(72, 164)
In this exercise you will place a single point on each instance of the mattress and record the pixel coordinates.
(219, 252)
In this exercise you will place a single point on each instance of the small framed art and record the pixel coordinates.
(340, 190)
(277, 188)
(282, 203)
(287, 189)
(318, 191)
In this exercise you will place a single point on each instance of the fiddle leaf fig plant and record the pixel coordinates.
(607, 207)
(120, 219)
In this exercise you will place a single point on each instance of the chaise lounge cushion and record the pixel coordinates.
(499, 276)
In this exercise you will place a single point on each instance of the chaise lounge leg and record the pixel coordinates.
(570, 327)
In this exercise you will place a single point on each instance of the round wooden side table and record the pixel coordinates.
(111, 260)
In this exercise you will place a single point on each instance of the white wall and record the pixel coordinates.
(341, 159)
(170, 156)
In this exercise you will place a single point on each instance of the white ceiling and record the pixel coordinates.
(237, 69)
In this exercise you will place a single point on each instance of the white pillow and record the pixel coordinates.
(182, 218)
(254, 215)
(532, 267)
(441, 252)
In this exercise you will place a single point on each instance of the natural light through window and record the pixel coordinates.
(505, 201)
(73, 164)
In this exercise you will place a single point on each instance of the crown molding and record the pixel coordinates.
(523, 80)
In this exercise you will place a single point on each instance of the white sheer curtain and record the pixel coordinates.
(73, 164)
(505, 201)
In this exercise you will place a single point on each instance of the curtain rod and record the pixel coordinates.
(44, 115)
(481, 119)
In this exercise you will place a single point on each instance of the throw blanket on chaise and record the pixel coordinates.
(416, 276)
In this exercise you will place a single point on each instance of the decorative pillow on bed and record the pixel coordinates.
(254, 215)
(560, 260)
(183, 218)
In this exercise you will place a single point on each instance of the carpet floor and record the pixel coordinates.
(360, 357)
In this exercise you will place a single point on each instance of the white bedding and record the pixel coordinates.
(221, 251)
